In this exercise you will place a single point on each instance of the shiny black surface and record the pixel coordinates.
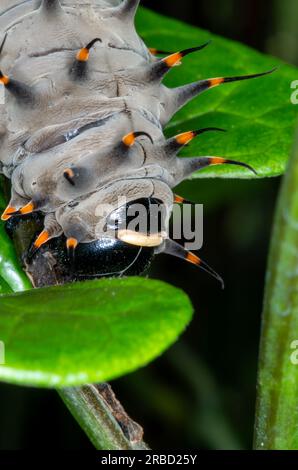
(107, 257)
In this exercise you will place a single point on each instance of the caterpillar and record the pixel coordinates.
(82, 126)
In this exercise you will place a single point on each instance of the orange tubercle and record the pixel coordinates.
(216, 81)
(71, 243)
(28, 208)
(83, 55)
(8, 210)
(4, 79)
(42, 239)
(186, 137)
(192, 258)
(217, 161)
(129, 139)
(178, 199)
(173, 59)
(69, 172)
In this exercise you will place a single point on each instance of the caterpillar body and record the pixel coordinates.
(82, 125)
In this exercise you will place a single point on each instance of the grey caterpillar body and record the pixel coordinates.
(82, 124)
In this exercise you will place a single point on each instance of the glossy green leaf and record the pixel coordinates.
(88, 332)
(258, 114)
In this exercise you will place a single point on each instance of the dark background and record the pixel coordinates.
(201, 393)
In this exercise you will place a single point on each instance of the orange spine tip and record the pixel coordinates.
(4, 79)
(173, 59)
(153, 50)
(216, 81)
(129, 139)
(83, 55)
(71, 243)
(183, 139)
(178, 199)
(28, 208)
(41, 239)
(69, 172)
(217, 161)
(193, 259)
(6, 214)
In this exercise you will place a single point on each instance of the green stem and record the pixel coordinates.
(277, 403)
(10, 270)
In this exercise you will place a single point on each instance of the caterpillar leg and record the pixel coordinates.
(28, 208)
(51, 230)
(15, 203)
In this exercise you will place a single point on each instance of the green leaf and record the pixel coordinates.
(88, 332)
(277, 408)
(10, 269)
(258, 114)
(4, 287)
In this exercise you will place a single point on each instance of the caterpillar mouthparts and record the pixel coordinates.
(83, 118)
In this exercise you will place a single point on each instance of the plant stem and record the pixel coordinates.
(103, 418)
(277, 402)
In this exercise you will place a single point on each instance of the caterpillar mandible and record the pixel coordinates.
(82, 126)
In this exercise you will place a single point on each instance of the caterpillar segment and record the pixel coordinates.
(82, 124)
